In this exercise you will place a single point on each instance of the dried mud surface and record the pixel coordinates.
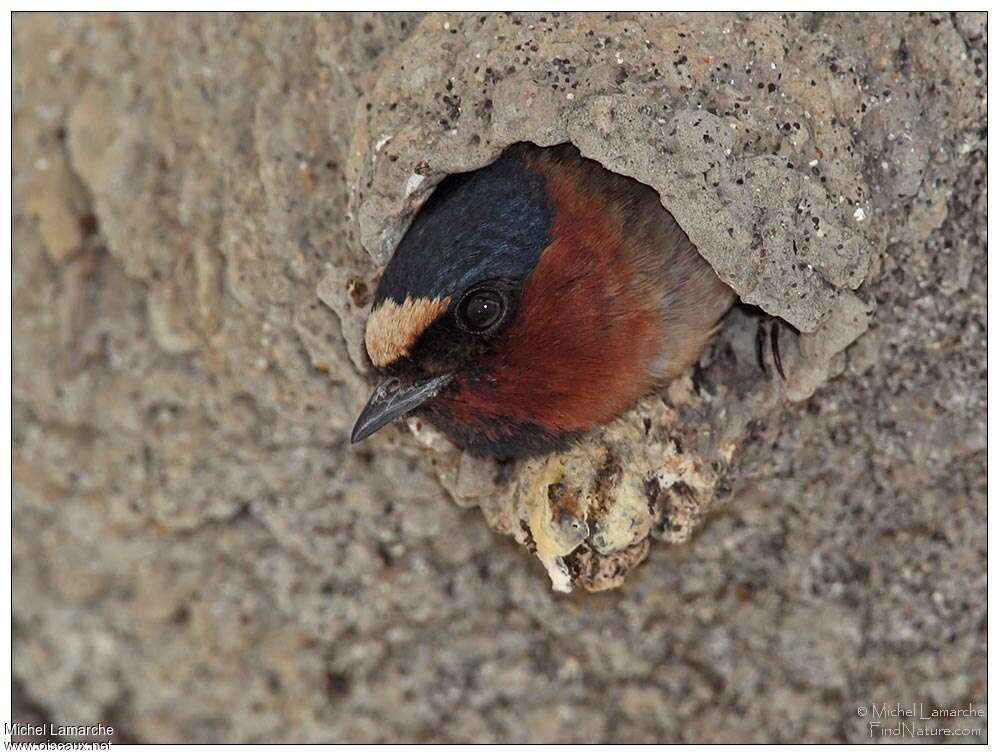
(202, 205)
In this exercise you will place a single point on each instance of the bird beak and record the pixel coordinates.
(391, 399)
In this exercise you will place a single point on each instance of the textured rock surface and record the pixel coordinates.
(202, 204)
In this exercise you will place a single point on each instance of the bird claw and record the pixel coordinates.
(771, 324)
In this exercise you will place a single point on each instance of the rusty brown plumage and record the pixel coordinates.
(616, 302)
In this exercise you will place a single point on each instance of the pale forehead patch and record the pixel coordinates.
(393, 328)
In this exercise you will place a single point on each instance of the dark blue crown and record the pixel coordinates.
(491, 223)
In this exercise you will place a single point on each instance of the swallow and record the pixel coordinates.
(533, 300)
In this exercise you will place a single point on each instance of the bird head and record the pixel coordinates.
(515, 313)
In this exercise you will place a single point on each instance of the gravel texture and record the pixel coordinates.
(202, 205)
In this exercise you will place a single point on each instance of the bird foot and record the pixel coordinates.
(769, 323)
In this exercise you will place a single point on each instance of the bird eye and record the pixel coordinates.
(481, 309)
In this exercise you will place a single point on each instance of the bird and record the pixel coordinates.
(533, 300)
